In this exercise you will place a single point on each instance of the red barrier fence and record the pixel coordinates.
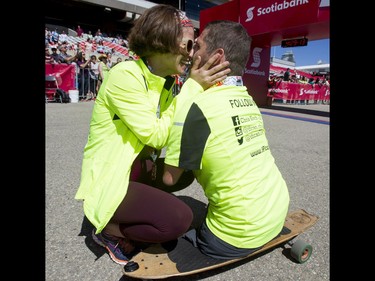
(66, 79)
(297, 91)
(65, 75)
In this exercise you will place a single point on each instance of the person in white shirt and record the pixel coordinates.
(93, 77)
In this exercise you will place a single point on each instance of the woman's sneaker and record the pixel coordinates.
(120, 250)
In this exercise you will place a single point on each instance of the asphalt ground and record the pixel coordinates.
(299, 138)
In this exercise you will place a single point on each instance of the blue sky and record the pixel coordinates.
(308, 55)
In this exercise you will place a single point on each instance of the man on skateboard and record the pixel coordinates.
(219, 135)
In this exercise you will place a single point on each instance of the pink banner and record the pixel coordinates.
(296, 91)
(65, 75)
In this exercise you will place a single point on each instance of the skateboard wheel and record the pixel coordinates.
(301, 251)
(131, 266)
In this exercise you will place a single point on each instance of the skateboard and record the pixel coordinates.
(181, 258)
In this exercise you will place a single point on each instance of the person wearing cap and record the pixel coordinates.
(121, 178)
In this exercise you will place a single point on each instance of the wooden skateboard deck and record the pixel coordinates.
(181, 258)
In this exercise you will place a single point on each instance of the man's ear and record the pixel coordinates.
(222, 54)
(221, 57)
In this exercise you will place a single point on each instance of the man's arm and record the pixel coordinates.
(171, 174)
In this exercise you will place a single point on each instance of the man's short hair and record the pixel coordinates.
(233, 38)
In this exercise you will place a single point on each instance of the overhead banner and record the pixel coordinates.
(265, 16)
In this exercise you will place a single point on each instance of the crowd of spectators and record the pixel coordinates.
(62, 48)
(99, 43)
(293, 76)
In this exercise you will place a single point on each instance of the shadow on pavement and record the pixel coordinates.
(298, 110)
(86, 230)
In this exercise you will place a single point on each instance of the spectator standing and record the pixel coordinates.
(79, 31)
(311, 81)
(103, 71)
(98, 33)
(317, 81)
(64, 57)
(88, 47)
(55, 36)
(325, 81)
(298, 76)
(83, 75)
(286, 76)
(89, 35)
(109, 60)
(93, 78)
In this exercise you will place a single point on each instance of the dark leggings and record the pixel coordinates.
(150, 214)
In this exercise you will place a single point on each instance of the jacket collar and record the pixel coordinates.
(153, 82)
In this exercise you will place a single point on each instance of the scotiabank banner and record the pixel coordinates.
(265, 16)
(296, 91)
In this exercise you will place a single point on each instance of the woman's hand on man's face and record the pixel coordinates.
(211, 72)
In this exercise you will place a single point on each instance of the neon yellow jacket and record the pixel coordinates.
(123, 121)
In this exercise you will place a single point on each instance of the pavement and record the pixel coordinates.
(299, 138)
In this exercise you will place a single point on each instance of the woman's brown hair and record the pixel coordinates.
(157, 30)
